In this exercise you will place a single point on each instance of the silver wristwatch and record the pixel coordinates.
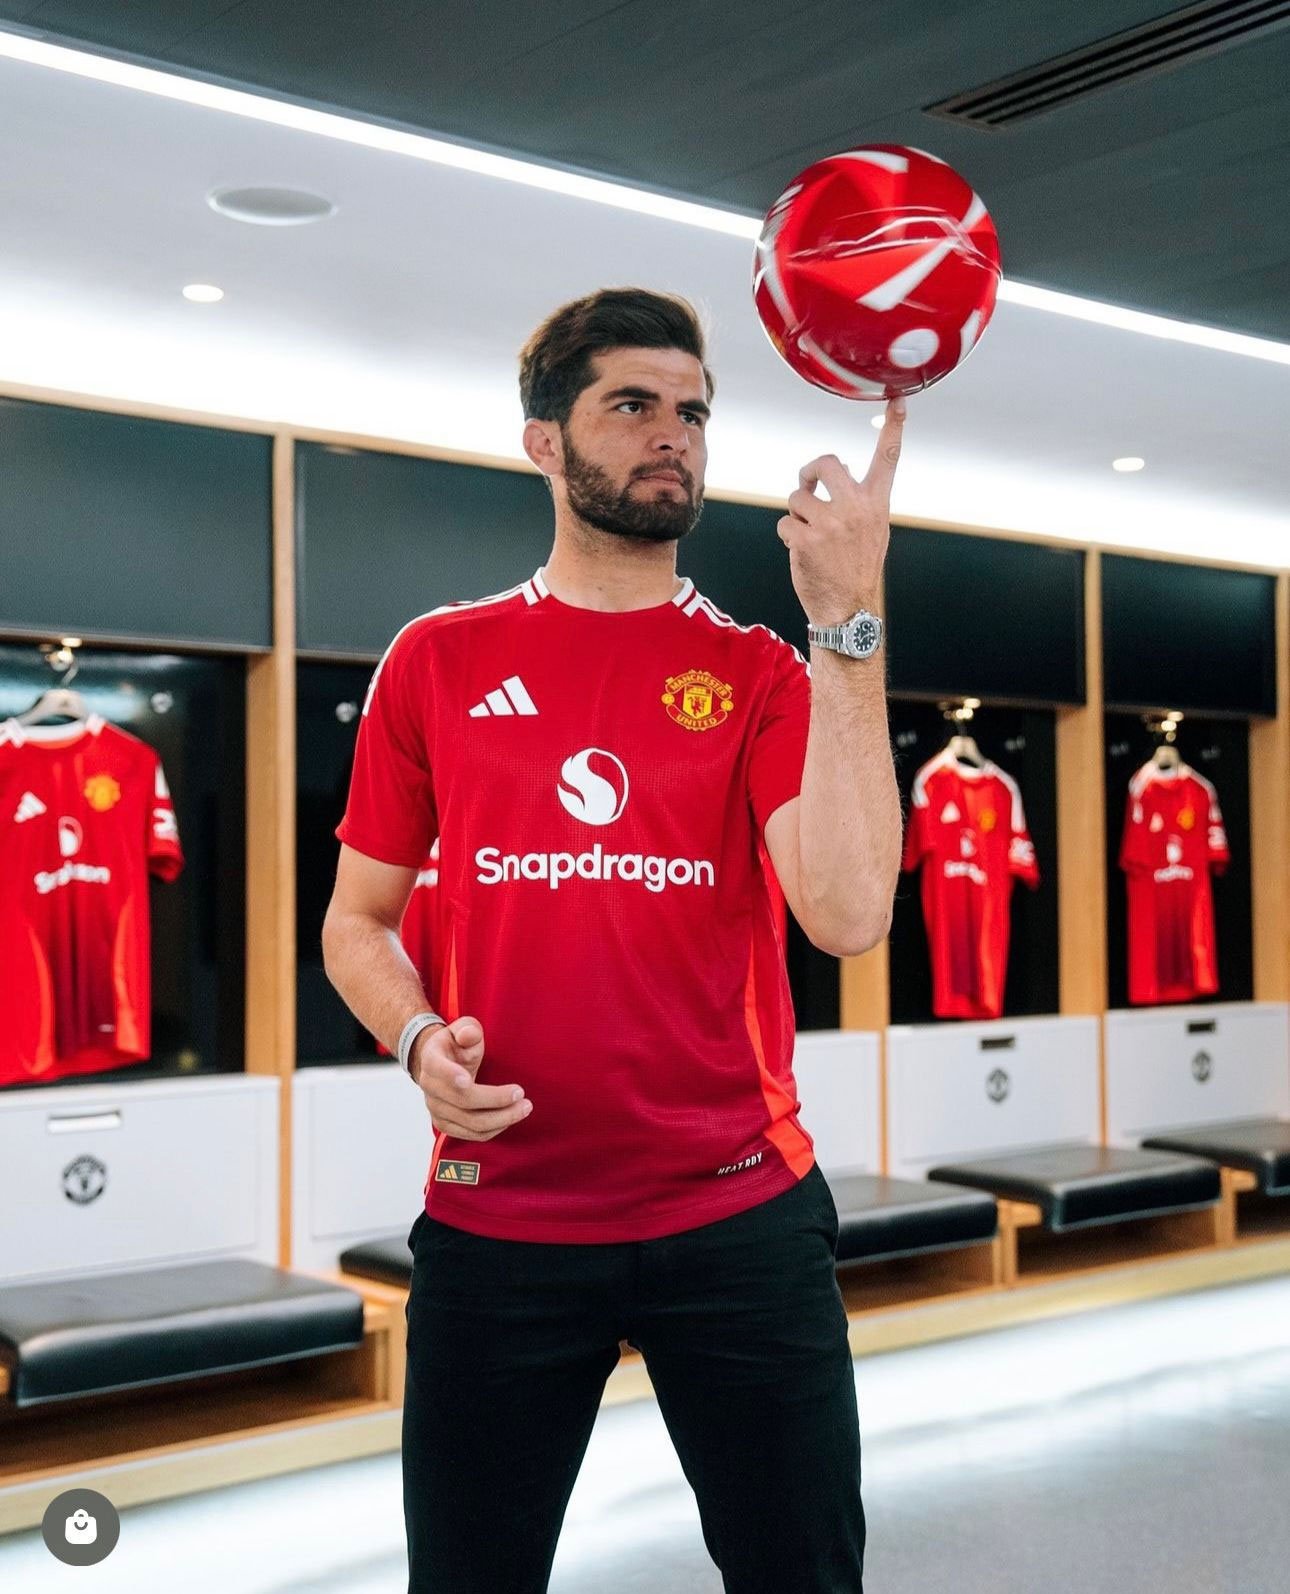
(411, 1030)
(860, 637)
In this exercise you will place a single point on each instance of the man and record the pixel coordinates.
(617, 1150)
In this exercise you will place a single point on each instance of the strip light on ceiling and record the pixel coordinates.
(462, 157)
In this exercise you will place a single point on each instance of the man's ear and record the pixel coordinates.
(544, 446)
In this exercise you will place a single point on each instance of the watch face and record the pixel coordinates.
(863, 636)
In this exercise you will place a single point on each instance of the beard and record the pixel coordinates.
(628, 512)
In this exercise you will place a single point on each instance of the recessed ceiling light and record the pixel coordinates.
(203, 293)
(1129, 462)
(270, 207)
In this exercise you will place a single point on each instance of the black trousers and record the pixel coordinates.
(744, 1334)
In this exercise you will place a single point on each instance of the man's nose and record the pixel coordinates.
(677, 439)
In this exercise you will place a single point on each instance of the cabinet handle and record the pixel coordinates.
(77, 1123)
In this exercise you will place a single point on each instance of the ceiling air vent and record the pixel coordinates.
(1169, 41)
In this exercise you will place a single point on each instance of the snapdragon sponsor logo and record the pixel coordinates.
(964, 871)
(653, 872)
(50, 879)
(593, 787)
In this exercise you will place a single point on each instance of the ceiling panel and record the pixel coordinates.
(1165, 193)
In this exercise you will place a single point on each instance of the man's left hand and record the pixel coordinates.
(837, 545)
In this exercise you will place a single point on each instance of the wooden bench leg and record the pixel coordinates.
(1007, 1243)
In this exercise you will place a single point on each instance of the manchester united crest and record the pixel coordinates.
(1186, 818)
(697, 700)
(987, 819)
(102, 793)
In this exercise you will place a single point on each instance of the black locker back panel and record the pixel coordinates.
(1023, 744)
(1188, 637)
(115, 526)
(1218, 749)
(192, 711)
(329, 698)
(987, 617)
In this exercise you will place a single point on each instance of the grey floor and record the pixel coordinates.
(1139, 1450)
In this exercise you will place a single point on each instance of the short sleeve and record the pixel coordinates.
(165, 857)
(917, 841)
(1133, 853)
(1021, 848)
(1219, 853)
(390, 814)
(779, 742)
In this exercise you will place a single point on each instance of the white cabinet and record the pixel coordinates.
(95, 1178)
(965, 1090)
(1185, 1067)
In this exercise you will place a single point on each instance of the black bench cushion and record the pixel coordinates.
(877, 1217)
(880, 1217)
(388, 1260)
(88, 1335)
(1077, 1186)
(1259, 1145)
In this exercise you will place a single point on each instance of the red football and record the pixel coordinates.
(876, 271)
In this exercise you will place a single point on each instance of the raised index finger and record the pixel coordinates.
(882, 467)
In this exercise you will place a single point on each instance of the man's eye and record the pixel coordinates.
(626, 402)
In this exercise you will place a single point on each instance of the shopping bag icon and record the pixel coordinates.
(81, 1528)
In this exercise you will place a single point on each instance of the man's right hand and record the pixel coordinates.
(445, 1060)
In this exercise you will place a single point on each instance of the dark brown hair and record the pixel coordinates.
(555, 363)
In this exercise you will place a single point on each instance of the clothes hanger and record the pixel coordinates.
(58, 702)
(965, 751)
(1166, 755)
(961, 747)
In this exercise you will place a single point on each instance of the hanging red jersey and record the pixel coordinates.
(602, 782)
(1173, 837)
(85, 814)
(968, 828)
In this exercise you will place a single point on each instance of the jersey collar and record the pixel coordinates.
(679, 599)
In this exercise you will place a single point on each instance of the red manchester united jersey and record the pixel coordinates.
(968, 829)
(602, 781)
(1173, 837)
(84, 815)
(417, 930)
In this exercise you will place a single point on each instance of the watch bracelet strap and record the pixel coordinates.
(830, 636)
(411, 1030)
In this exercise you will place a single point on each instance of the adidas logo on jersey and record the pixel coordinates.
(29, 806)
(950, 814)
(510, 698)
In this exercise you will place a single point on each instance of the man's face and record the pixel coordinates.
(634, 445)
